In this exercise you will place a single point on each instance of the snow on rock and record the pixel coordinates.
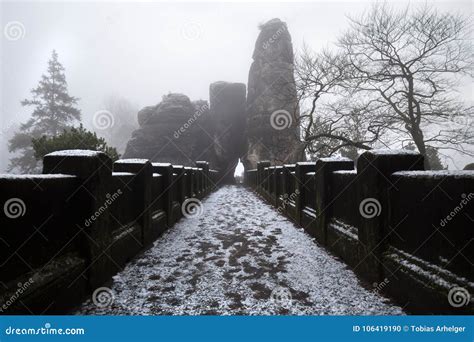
(240, 257)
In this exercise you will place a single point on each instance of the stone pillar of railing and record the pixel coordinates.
(197, 182)
(94, 171)
(143, 171)
(248, 179)
(180, 182)
(270, 184)
(373, 174)
(276, 184)
(302, 168)
(324, 168)
(260, 178)
(166, 171)
(189, 181)
(204, 165)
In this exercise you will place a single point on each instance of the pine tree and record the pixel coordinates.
(54, 111)
(71, 139)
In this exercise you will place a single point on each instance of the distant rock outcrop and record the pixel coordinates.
(182, 132)
(272, 106)
(260, 126)
(228, 114)
(167, 131)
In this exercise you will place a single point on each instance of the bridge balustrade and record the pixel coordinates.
(68, 231)
(392, 222)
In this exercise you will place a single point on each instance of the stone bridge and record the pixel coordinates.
(134, 237)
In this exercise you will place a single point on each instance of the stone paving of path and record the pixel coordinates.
(239, 257)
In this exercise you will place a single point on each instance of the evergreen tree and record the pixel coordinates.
(432, 156)
(72, 139)
(54, 111)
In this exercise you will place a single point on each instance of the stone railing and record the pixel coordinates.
(407, 232)
(66, 232)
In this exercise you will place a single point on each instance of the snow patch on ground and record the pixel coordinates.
(240, 257)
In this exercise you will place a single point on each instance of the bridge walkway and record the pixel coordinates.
(238, 257)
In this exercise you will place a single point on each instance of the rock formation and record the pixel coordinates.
(168, 131)
(272, 107)
(262, 127)
(179, 131)
(228, 114)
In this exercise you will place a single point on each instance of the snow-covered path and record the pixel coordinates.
(239, 257)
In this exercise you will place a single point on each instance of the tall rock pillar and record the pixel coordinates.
(227, 111)
(272, 131)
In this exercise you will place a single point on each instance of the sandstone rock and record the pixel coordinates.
(166, 132)
(228, 116)
(145, 114)
(204, 133)
(272, 107)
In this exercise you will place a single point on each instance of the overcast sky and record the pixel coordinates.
(143, 50)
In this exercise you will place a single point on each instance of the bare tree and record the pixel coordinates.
(407, 64)
(331, 119)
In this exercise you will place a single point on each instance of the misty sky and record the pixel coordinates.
(143, 50)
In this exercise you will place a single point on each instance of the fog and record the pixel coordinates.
(142, 51)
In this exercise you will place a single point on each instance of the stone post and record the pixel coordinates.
(197, 182)
(180, 182)
(143, 171)
(94, 171)
(324, 168)
(189, 181)
(260, 175)
(166, 171)
(276, 181)
(373, 172)
(204, 165)
(271, 184)
(302, 168)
